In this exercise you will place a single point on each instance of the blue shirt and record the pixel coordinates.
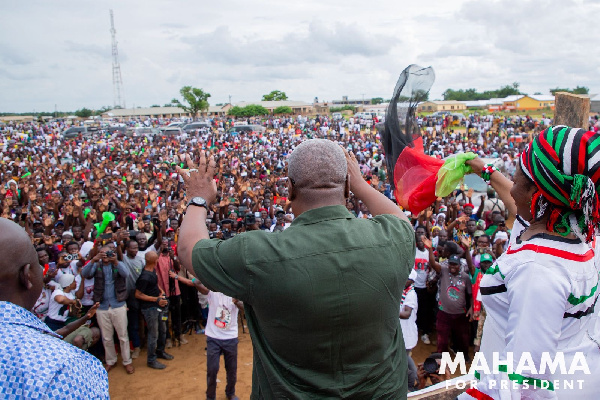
(109, 298)
(36, 364)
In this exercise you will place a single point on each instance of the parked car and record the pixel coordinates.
(75, 131)
(146, 132)
(247, 128)
(195, 126)
(173, 132)
(119, 130)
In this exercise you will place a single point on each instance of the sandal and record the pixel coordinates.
(108, 367)
(130, 369)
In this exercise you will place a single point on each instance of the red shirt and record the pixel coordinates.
(163, 265)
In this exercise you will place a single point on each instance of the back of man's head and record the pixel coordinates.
(20, 272)
(151, 258)
(318, 164)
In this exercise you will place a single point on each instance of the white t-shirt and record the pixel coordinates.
(222, 317)
(142, 253)
(57, 311)
(41, 305)
(409, 326)
(88, 290)
(422, 267)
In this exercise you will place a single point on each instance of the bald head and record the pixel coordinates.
(151, 259)
(21, 277)
(318, 164)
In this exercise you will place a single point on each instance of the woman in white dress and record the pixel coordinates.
(540, 295)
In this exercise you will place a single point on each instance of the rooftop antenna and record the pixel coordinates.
(116, 67)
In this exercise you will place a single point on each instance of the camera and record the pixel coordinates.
(71, 257)
(250, 219)
(110, 254)
(430, 365)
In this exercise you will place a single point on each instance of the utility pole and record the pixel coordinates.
(230, 101)
(116, 66)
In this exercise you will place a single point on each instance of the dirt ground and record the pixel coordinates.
(185, 376)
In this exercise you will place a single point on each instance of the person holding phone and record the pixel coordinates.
(154, 306)
(110, 290)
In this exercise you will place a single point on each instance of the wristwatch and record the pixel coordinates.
(199, 202)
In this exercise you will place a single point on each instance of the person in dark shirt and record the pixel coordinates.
(153, 304)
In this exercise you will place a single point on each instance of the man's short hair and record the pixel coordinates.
(318, 164)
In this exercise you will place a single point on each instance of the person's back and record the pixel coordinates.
(322, 297)
(34, 361)
(321, 294)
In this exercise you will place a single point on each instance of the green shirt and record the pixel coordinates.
(322, 301)
(84, 331)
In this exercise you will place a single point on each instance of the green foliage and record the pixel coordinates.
(251, 110)
(154, 106)
(282, 110)
(84, 113)
(168, 105)
(577, 90)
(196, 99)
(377, 100)
(275, 95)
(343, 108)
(473, 94)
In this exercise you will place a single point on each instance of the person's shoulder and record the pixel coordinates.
(392, 220)
(79, 375)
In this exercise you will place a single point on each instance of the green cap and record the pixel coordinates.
(486, 257)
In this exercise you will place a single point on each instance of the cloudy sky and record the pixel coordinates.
(59, 52)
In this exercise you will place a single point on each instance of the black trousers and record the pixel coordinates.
(175, 312)
(425, 313)
(214, 349)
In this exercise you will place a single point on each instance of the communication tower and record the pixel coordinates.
(116, 67)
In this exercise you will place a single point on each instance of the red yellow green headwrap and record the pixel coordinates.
(564, 165)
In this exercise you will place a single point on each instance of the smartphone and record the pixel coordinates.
(51, 266)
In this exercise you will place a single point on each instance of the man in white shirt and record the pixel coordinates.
(221, 338)
(408, 323)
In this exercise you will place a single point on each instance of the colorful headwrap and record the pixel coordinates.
(564, 165)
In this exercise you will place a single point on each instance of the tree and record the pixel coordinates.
(377, 100)
(347, 107)
(275, 95)
(154, 106)
(251, 110)
(282, 110)
(577, 90)
(473, 94)
(196, 99)
(581, 90)
(84, 113)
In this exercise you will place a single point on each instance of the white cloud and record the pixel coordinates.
(59, 52)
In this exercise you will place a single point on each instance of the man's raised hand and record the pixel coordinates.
(199, 180)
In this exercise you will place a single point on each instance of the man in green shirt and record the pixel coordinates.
(321, 297)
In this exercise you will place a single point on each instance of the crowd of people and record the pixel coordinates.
(104, 214)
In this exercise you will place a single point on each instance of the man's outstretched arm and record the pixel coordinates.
(199, 182)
